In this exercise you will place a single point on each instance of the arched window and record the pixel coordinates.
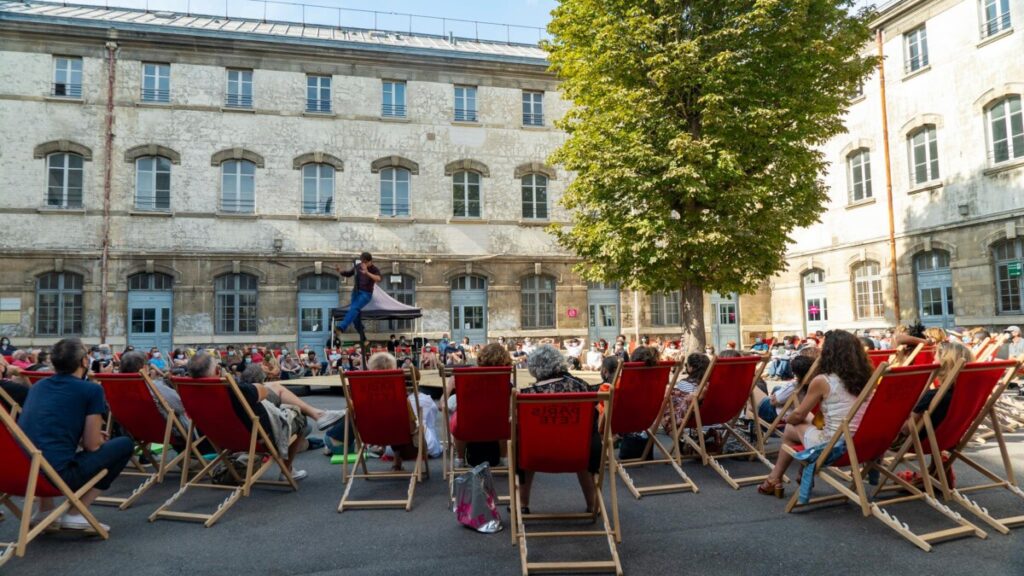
(58, 304)
(65, 174)
(858, 172)
(933, 260)
(665, 308)
(318, 283)
(404, 290)
(535, 197)
(815, 298)
(867, 290)
(150, 281)
(469, 283)
(152, 183)
(538, 302)
(923, 151)
(318, 189)
(236, 304)
(394, 192)
(1008, 256)
(1006, 129)
(238, 186)
(466, 195)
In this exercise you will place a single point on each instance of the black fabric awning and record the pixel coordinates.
(382, 307)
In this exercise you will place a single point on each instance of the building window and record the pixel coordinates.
(239, 93)
(469, 283)
(535, 197)
(867, 290)
(665, 308)
(466, 195)
(1006, 123)
(318, 283)
(236, 304)
(394, 192)
(67, 77)
(1009, 259)
(64, 180)
(58, 304)
(995, 17)
(858, 168)
(156, 82)
(238, 187)
(533, 108)
(924, 155)
(538, 302)
(934, 260)
(318, 189)
(393, 99)
(465, 103)
(152, 183)
(150, 281)
(318, 93)
(916, 56)
(402, 288)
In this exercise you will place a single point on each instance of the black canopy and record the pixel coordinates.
(381, 307)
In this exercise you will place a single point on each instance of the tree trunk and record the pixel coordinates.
(691, 314)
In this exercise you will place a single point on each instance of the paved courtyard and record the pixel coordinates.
(718, 531)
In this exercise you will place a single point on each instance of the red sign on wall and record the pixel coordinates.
(572, 312)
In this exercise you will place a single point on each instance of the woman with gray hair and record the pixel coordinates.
(551, 371)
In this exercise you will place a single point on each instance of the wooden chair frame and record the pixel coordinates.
(841, 481)
(6, 399)
(160, 466)
(699, 446)
(259, 438)
(518, 520)
(359, 468)
(40, 467)
(940, 480)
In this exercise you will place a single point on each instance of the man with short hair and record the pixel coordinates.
(366, 277)
(66, 411)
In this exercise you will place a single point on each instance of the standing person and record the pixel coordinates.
(574, 350)
(392, 344)
(366, 276)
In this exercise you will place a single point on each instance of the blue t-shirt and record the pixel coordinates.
(54, 415)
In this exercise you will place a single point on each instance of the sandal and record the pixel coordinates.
(772, 488)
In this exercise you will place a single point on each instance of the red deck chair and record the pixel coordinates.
(890, 395)
(925, 355)
(878, 356)
(641, 394)
(8, 404)
(34, 377)
(552, 433)
(8, 358)
(978, 387)
(379, 410)
(25, 473)
(133, 400)
(208, 404)
(483, 395)
(723, 393)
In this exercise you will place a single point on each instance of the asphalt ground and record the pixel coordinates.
(718, 531)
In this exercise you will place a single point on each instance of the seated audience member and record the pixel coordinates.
(759, 345)
(608, 368)
(619, 351)
(782, 353)
(594, 358)
(43, 363)
(730, 345)
(179, 362)
(768, 404)
(5, 346)
(156, 360)
(65, 412)
(843, 372)
(291, 368)
(313, 367)
(709, 350)
(946, 354)
(528, 346)
(270, 367)
(289, 412)
(13, 383)
(552, 376)
(493, 354)
(455, 357)
(21, 359)
(400, 452)
(256, 354)
(574, 352)
(695, 366)
(868, 343)
(134, 362)
(334, 360)
(519, 356)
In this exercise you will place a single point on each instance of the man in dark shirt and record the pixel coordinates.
(366, 275)
(65, 411)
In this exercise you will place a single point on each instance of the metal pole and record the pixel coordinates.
(888, 178)
(108, 152)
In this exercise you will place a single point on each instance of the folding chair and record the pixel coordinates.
(34, 377)
(777, 425)
(483, 414)
(379, 413)
(8, 404)
(133, 400)
(878, 356)
(920, 355)
(890, 396)
(208, 404)
(553, 433)
(978, 387)
(719, 400)
(25, 473)
(641, 395)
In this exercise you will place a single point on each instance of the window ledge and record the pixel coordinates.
(475, 123)
(859, 203)
(309, 114)
(398, 119)
(152, 104)
(926, 187)
(998, 35)
(156, 213)
(238, 215)
(467, 220)
(917, 72)
(534, 222)
(394, 219)
(68, 99)
(326, 217)
(1004, 166)
(60, 210)
(535, 128)
(859, 98)
(249, 110)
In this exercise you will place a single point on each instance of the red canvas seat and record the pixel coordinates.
(878, 356)
(890, 396)
(553, 433)
(26, 474)
(208, 404)
(34, 377)
(379, 413)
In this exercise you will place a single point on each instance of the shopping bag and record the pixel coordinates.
(476, 501)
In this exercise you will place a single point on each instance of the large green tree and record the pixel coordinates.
(694, 134)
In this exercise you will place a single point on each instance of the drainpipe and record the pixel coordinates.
(888, 178)
(108, 151)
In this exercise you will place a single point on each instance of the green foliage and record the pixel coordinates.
(694, 132)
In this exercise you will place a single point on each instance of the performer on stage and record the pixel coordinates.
(366, 275)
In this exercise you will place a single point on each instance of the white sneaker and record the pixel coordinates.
(70, 521)
(296, 474)
(329, 418)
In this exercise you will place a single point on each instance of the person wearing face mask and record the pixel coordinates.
(256, 355)
(179, 361)
(5, 346)
(66, 411)
(156, 360)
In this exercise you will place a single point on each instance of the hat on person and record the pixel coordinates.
(1014, 329)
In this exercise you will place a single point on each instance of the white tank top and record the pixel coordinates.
(836, 405)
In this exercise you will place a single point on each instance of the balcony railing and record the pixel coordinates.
(241, 206)
(232, 100)
(465, 115)
(315, 105)
(914, 64)
(155, 95)
(66, 90)
(533, 119)
(393, 110)
(995, 25)
(320, 208)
